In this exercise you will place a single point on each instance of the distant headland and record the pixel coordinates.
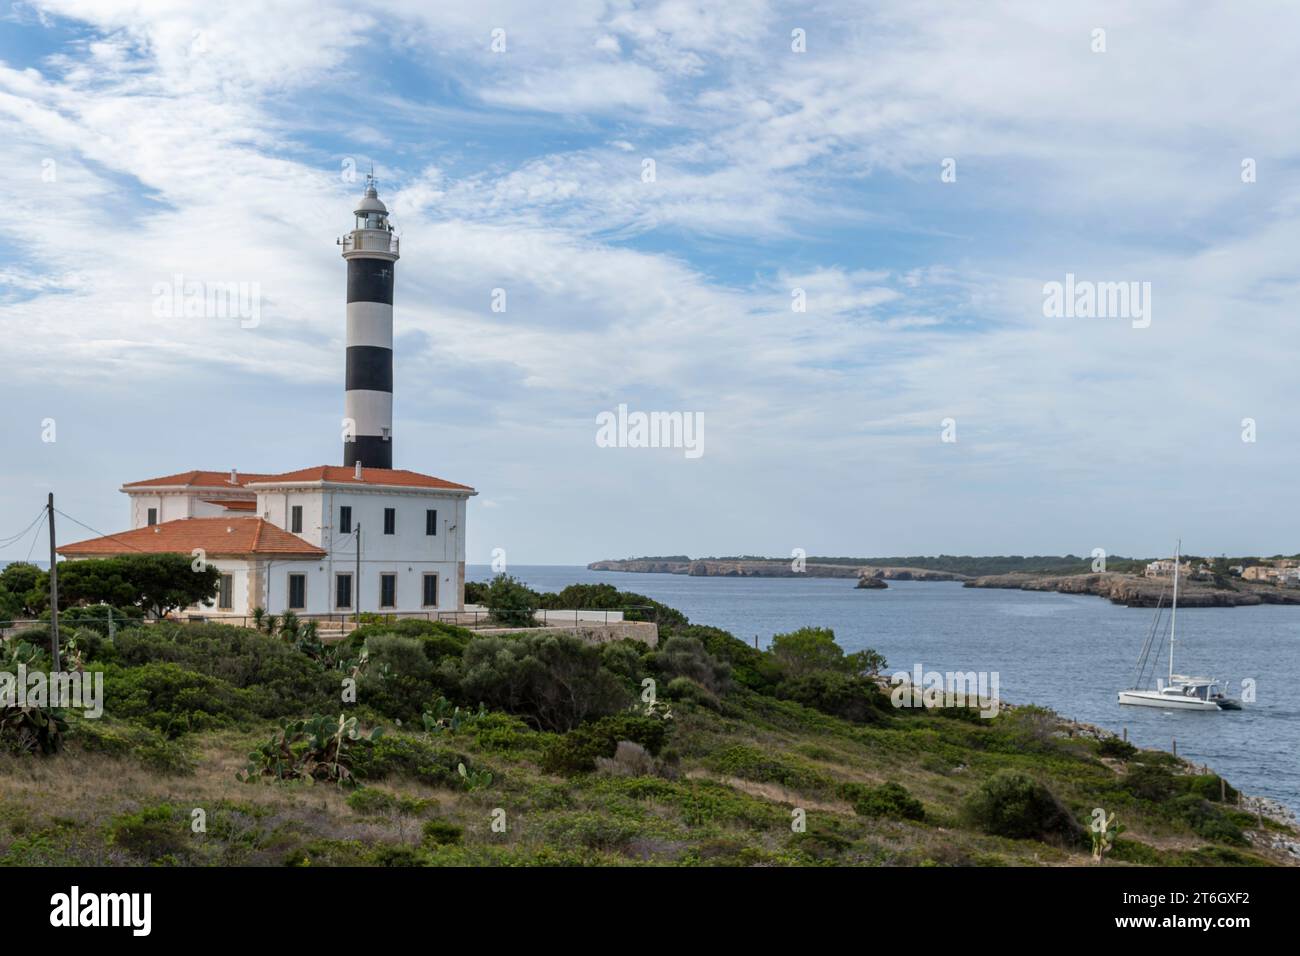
(1133, 582)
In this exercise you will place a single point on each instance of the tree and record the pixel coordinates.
(154, 583)
(21, 581)
(511, 601)
(608, 597)
(10, 608)
(812, 649)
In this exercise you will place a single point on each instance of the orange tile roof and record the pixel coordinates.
(202, 479)
(216, 536)
(341, 474)
(234, 504)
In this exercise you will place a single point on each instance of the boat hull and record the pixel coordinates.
(1150, 698)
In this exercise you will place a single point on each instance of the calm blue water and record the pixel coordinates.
(1067, 652)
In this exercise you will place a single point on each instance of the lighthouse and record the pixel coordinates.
(371, 252)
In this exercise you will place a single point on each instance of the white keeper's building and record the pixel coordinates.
(292, 541)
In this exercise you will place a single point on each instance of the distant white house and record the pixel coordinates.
(1165, 569)
(290, 541)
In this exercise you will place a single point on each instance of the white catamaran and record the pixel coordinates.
(1180, 692)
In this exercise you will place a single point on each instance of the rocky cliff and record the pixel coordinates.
(775, 568)
(1134, 591)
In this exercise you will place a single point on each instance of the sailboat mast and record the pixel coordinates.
(1173, 611)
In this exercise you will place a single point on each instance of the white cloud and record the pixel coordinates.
(188, 140)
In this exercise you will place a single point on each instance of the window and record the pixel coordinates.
(225, 592)
(345, 519)
(297, 591)
(153, 516)
(343, 591)
(431, 590)
(295, 519)
(431, 521)
(390, 521)
(388, 590)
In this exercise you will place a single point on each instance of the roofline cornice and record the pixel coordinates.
(363, 486)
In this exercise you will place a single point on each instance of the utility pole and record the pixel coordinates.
(356, 585)
(54, 590)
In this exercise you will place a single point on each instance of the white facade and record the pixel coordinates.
(406, 556)
(171, 505)
(412, 543)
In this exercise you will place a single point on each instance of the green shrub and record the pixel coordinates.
(157, 834)
(887, 800)
(626, 659)
(123, 738)
(683, 688)
(496, 732)
(820, 845)
(857, 699)
(1206, 819)
(577, 750)
(1150, 782)
(1116, 748)
(511, 602)
(391, 854)
(329, 853)
(370, 802)
(174, 700)
(1134, 851)
(283, 681)
(596, 831)
(400, 679)
(441, 833)
(438, 638)
(1210, 786)
(608, 597)
(762, 766)
(410, 756)
(812, 649)
(1012, 804)
(681, 656)
(553, 681)
(96, 617)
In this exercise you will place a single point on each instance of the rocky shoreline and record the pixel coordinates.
(772, 568)
(1130, 590)
(1134, 591)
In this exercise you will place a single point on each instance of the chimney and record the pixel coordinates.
(234, 476)
(357, 475)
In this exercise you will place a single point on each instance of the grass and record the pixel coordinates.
(741, 781)
(745, 778)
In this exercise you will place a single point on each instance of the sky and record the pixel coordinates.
(653, 190)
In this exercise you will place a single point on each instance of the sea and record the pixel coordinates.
(1069, 652)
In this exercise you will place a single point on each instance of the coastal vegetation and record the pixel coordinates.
(513, 603)
(419, 743)
(131, 585)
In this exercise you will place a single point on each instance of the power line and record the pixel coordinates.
(10, 540)
(35, 535)
(126, 544)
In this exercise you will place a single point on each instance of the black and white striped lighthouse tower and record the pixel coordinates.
(371, 251)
